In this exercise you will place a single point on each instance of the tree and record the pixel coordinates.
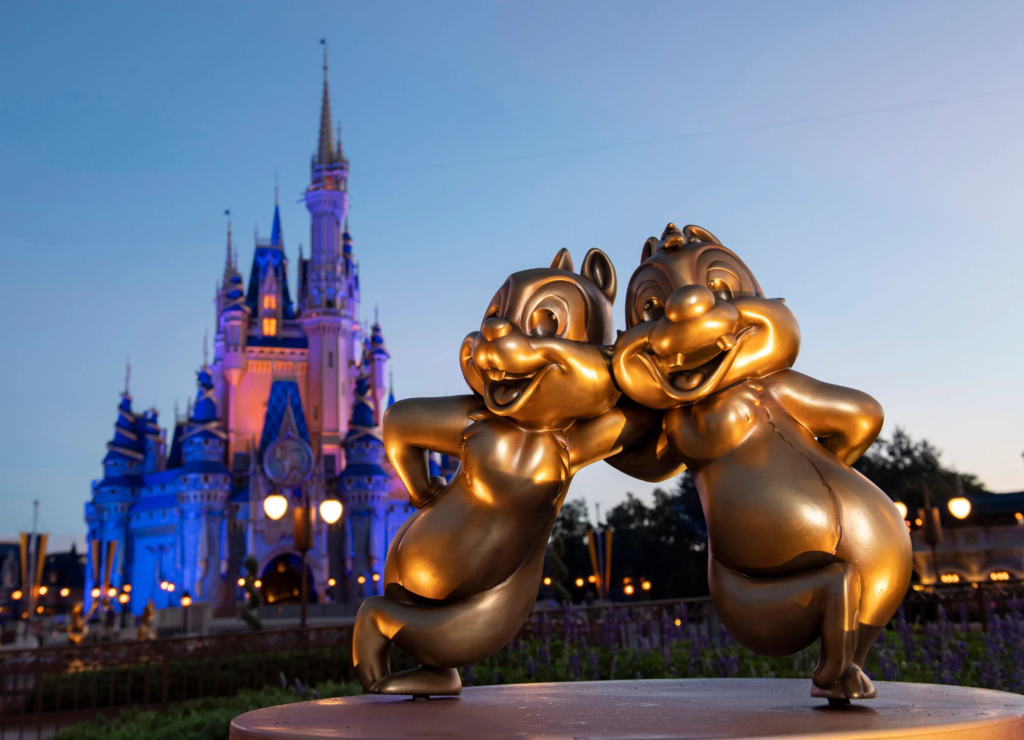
(665, 543)
(904, 469)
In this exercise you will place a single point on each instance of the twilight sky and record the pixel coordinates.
(866, 160)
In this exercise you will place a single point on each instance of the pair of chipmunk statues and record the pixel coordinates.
(801, 546)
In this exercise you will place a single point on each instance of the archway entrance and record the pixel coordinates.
(281, 581)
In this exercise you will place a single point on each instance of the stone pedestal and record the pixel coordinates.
(690, 708)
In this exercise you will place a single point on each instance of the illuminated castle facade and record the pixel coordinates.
(166, 521)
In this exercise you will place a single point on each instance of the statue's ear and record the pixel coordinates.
(563, 261)
(697, 234)
(649, 248)
(598, 268)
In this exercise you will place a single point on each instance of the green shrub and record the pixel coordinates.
(199, 719)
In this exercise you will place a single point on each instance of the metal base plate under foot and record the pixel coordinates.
(686, 708)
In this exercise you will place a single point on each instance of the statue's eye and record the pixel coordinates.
(653, 310)
(721, 290)
(543, 323)
(492, 313)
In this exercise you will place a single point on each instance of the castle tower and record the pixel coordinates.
(203, 487)
(379, 357)
(327, 311)
(365, 489)
(107, 513)
(230, 343)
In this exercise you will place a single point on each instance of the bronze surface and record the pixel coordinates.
(462, 573)
(802, 546)
(667, 709)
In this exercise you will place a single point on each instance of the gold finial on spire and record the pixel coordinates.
(276, 200)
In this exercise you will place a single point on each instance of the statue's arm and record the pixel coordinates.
(630, 438)
(413, 428)
(844, 420)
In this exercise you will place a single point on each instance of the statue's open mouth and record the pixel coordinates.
(692, 376)
(505, 393)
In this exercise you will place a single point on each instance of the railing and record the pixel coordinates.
(48, 688)
(965, 602)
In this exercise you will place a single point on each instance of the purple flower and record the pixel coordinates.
(574, 666)
(531, 668)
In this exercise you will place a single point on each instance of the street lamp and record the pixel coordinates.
(186, 602)
(959, 507)
(901, 508)
(288, 463)
(275, 505)
(330, 510)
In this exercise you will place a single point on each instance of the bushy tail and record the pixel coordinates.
(451, 635)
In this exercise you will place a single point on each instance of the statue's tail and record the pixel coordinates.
(447, 636)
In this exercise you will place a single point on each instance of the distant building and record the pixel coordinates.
(62, 581)
(165, 521)
(986, 546)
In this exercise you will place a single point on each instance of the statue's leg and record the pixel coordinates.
(781, 615)
(443, 637)
(371, 643)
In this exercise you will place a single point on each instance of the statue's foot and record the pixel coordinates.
(854, 684)
(423, 681)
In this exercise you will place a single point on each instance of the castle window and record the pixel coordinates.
(330, 359)
(269, 327)
(270, 301)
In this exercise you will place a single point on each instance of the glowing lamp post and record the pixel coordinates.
(186, 602)
(288, 463)
(959, 507)
(330, 510)
(275, 506)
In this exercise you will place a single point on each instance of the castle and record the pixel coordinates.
(163, 522)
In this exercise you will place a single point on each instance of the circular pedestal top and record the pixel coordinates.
(691, 708)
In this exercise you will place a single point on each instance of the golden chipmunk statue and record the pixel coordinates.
(801, 546)
(462, 575)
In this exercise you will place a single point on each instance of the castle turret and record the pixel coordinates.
(107, 513)
(232, 339)
(327, 311)
(204, 486)
(379, 357)
(365, 489)
(156, 443)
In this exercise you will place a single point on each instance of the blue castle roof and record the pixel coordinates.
(270, 256)
(275, 231)
(377, 346)
(206, 406)
(129, 441)
(284, 405)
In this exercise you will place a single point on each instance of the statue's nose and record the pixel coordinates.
(495, 329)
(689, 302)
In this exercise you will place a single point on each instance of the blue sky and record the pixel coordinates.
(866, 160)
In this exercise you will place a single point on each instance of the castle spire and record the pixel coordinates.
(229, 261)
(127, 376)
(325, 152)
